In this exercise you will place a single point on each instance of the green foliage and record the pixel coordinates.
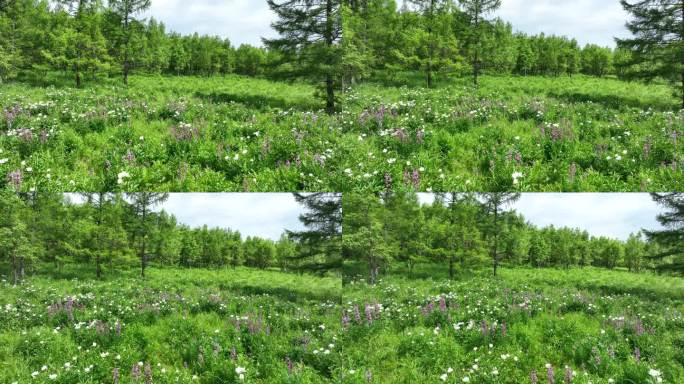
(187, 326)
(598, 325)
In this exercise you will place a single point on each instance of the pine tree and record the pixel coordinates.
(658, 42)
(476, 10)
(322, 239)
(671, 238)
(126, 10)
(310, 31)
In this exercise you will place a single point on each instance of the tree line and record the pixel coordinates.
(334, 43)
(90, 38)
(467, 231)
(107, 231)
(458, 37)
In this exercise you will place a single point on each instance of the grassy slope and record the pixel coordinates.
(258, 135)
(167, 320)
(585, 319)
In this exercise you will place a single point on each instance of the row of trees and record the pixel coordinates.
(331, 42)
(464, 231)
(456, 37)
(107, 231)
(91, 38)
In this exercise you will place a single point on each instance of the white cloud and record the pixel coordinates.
(265, 215)
(247, 21)
(241, 21)
(613, 215)
(588, 21)
(253, 214)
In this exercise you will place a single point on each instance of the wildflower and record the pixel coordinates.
(466, 379)
(115, 375)
(15, 178)
(443, 377)
(549, 374)
(240, 371)
(516, 176)
(3, 161)
(53, 376)
(369, 376)
(533, 377)
(122, 176)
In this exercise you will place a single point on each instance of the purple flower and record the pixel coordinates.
(135, 372)
(484, 328)
(15, 178)
(533, 377)
(415, 178)
(289, 364)
(647, 148)
(369, 376)
(388, 182)
(357, 314)
(568, 374)
(148, 373)
(637, 354)
(572, 172)
(345, 319)
(420, 136)
(369, 314)
(549, 374)
(442, 304)
(115, 375)
(233, 354)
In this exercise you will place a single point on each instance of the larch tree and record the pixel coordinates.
(494, 205)
(323, 235)
(310, 32)
(438, 43)
(142, 204)
(476, 10)
(657, 46)
(127, 10)
(671, 237)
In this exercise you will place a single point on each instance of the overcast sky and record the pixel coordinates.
(614, 215)
(246, 21)
(265, 215)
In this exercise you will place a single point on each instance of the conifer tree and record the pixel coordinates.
(310, 32)
(126, 10)
(493, 205)
(142, 204)
(671, 238)
(658, 44)
(476, 10)
(323, 236)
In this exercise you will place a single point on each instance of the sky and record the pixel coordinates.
(246, 21)
(614, 215)
(265, 215)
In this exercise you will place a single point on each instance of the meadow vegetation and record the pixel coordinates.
(242, 134)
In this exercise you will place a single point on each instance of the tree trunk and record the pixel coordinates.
(98, 268)
(329, 84)
(15, 269)
(451, 267)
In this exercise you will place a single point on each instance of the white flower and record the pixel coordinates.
(495, 372)
(34, 373)
(466, 379)
(351, 371)
(516, 176)
(43, 368)
(443, 377)
(450, 370)
(52, 376)
(121, 176)
(240, 371)
(3, 161)
(29, 169)
(654, 372)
